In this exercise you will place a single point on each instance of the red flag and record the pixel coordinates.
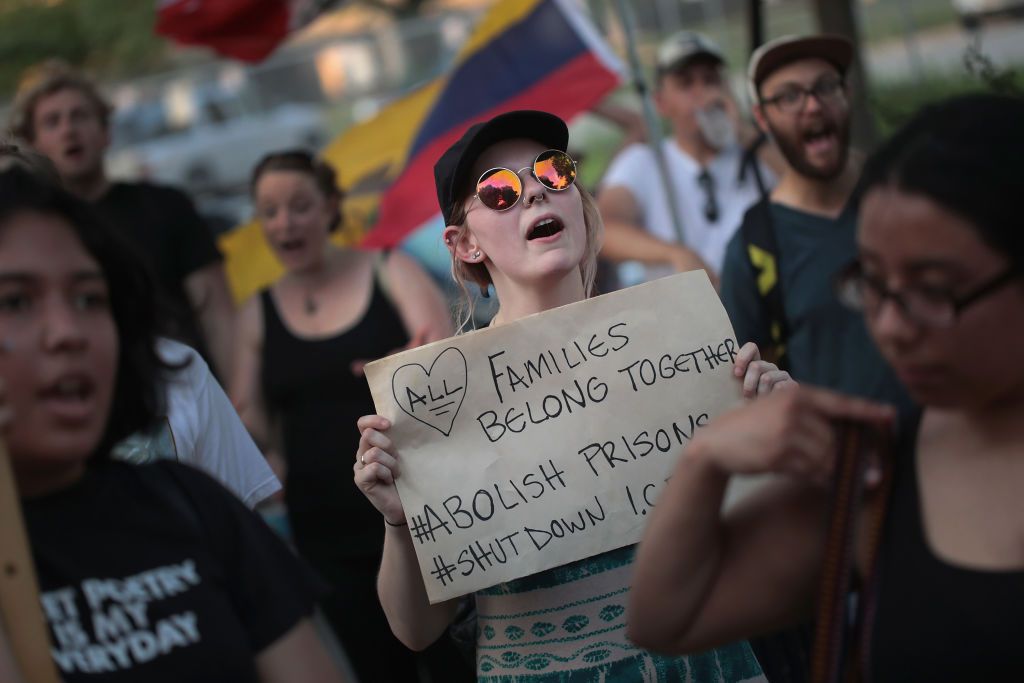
(242, 29)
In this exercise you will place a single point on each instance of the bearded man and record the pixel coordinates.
(780, 266)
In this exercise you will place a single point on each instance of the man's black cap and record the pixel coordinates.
(451, 170)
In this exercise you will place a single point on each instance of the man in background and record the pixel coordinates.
(710, 182)
(780, 268)
(62, 115)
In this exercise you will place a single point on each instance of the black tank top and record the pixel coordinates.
(936, 622)
(311, 391)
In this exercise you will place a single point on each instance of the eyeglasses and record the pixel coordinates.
(499, 189)
(928, 306)
(792, 98)
(707, 183)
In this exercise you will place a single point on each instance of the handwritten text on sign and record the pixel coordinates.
(546, 440)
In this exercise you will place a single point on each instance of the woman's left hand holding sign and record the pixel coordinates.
(376, 468)
(759, 377)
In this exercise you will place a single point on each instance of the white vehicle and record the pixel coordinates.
(214, 148)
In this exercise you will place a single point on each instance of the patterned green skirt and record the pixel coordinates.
(568, 625)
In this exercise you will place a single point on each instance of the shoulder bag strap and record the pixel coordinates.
(840, 653)
(763, 254)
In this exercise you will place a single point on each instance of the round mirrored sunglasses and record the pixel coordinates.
(499, 189)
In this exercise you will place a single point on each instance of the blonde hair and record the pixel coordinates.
(44, 80)
(463, 272)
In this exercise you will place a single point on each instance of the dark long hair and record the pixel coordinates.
(966, 154)
(138, 394)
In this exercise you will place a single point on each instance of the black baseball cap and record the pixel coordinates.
(451, 170)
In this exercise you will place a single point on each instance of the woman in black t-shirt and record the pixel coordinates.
(147, 573)
(940, 280)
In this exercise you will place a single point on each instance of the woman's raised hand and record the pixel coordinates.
(376, 468)
(759, 376)
(790, 432)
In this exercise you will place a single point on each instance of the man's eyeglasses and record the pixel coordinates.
(928, 306)
(792, 98)
(499, 189)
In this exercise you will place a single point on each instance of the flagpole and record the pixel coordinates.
(654, 137)
(21, 615)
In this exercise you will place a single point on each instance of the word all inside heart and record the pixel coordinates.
(432, 396)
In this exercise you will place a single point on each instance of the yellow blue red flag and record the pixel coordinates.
(526, 55)
(523, 54)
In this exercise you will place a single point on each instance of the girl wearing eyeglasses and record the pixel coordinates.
(939, 283)
(298, 386)
(518, 222)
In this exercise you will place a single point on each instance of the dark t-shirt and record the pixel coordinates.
(310, 388)
(157, 573)
(828, 344)
(164, 224)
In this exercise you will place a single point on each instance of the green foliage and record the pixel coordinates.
(894, 103)
(120, 34)
(112, 37)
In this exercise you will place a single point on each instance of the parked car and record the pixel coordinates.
(214, 149)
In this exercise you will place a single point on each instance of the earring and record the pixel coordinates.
(476, 255)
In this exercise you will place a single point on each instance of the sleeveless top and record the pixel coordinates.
(568, 625)
(935, 621)
(311, 391)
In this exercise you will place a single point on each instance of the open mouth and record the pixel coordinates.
(70, 388)
(819, 138)
(70, 397)
(547, 227)
(74, 151)
(291, 245)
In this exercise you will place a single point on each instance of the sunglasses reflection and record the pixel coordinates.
(499, 189)
(499, 194)
(556, 171)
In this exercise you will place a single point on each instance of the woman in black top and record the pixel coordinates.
(299, 386)
(150, 572)
(939, 280)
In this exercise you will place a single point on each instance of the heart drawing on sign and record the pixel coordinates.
(432, 396)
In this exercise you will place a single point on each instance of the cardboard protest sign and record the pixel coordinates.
(547, 440)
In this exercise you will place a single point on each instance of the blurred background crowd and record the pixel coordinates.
(294, 130)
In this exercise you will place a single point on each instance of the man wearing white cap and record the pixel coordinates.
(705, 169)
(777, 282)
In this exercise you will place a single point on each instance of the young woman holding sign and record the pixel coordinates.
(940, 280)
(147, 572)
(534, 235)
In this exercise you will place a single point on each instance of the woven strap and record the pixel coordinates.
(19, 594)
(841, 639)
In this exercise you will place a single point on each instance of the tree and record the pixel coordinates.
(110, 37)
(838, 16)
